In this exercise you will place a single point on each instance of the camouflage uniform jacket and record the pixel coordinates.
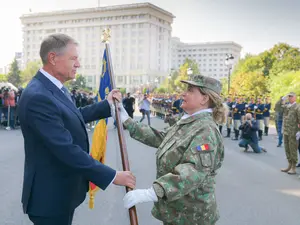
(189, 154)
(291, 119)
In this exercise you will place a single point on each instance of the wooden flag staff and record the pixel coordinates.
(123, 149)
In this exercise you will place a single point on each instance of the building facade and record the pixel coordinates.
(209, 56)
(140, 40)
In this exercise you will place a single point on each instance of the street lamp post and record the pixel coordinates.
(229, 62)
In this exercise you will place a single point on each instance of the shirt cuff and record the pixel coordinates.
(113, 179)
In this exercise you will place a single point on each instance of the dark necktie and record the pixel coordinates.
(67, 94)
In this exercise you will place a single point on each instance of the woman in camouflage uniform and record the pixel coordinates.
(189, 154)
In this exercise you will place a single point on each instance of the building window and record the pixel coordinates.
(120, 79)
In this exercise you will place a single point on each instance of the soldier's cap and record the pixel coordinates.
(205, 82)
(292, 94)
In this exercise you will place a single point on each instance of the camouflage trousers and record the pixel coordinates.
(291, 146)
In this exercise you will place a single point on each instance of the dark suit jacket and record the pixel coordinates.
(57, 161)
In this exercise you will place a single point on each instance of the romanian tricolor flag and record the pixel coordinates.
(204, 147)
(100, 133)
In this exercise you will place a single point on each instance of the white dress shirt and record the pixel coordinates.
(56, 82)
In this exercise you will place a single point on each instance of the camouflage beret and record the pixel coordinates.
(205, 82)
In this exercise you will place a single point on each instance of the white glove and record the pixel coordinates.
(246, 106)
(123, 114)
(298, 135)
(255, 107)
(139, 196)
(233, 106)
(284, 97)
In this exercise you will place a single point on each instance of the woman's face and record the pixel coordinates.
(193, 100)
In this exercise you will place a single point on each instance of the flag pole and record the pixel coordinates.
(123, 148)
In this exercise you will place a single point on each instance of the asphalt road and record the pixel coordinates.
(250, 187)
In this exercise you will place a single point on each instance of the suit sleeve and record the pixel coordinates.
(47, 124)
(97, 111)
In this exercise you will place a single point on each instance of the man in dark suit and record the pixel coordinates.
(58, 166)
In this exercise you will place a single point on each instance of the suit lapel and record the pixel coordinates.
(58, 94)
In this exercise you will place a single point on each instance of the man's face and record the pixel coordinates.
(259, 101)
(292, 99)
(67, 63)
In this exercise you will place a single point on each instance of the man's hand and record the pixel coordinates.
(125, 178)
(114, 94)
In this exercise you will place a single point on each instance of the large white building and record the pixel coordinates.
(140, 40)
(210, 56)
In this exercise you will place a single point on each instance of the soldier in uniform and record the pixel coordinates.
(266, 115)
(291, 124)
(259, 109)
(237, 110)
(279, 119)
(250, 106)
(243, 112)
(176, 108)
(229, 116)
(188, 157)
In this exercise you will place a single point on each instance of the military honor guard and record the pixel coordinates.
(243, 112)
(250, 106)
(259, 109)
(237, 110)
(229, 116)
(266, 115)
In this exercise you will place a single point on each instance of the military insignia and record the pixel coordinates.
(204, 147)
(104, 68)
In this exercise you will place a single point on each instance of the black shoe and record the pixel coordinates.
(279, 145)
(298, 165)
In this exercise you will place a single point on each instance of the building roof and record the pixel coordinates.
(98, 9)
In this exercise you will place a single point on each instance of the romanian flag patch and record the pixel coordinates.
(204, 147)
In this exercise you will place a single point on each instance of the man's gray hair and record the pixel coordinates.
(54, 43)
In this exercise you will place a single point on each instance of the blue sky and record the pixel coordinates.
(255, 24)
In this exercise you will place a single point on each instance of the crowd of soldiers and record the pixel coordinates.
(239, 106)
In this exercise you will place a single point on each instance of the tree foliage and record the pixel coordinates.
(263, 74)
(30, 71)
(3, 78)
(79, 83)
(172, 84)
(285, 83)
(14, 76)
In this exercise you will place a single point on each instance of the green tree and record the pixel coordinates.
(123, 91)
(183, 75)
(284, 83)
(14, 76)
(248, 84)
(78, 83)
(30, 71)
(3, 78)
(161, 90)
(145, 90)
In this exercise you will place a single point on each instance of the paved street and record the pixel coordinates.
(250, 187)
